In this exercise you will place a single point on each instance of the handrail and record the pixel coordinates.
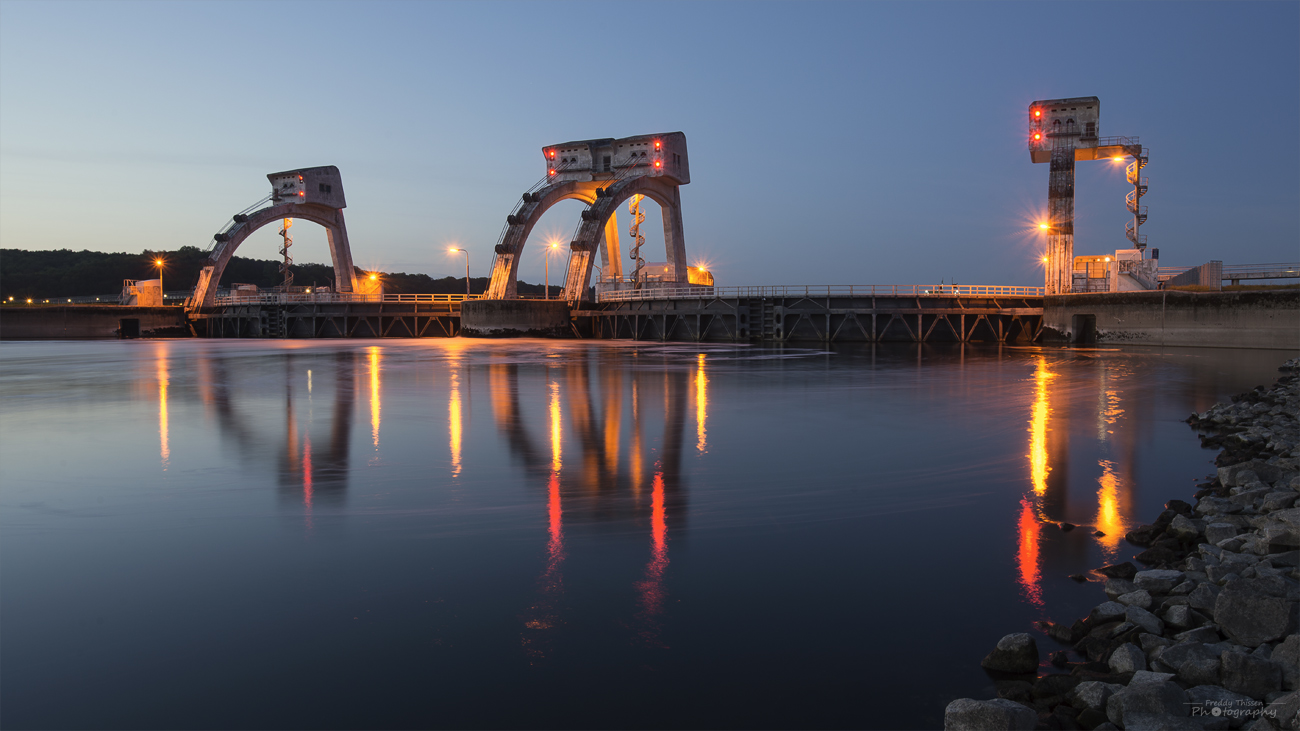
(1283, 270)
(278, 298)
(820, 290)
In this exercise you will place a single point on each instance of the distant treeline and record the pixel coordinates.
(66, 273)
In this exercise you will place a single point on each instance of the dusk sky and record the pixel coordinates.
(830, 143)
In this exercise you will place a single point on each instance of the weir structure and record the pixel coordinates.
(312, 194)
(602, 173)
(1062, 132)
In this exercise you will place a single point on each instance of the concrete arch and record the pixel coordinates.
(599, 230)
(205, 291)
(505, 272)
(662, 191)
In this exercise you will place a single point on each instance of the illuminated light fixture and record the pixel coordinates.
(1038, 112)
(299, 178)
(302, 194)
(1117, 158)
(552, 154)
(657, 144)
(550, 172)
(1037, 136)
(1044, 226)
(658, 163)
(373, 277)
(1044, 260)
(1108, 258)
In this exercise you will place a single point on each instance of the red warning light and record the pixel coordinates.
(552, 154)
(658, 163)
(301, 194)
(299, 178)
(551, 171)
(657, 144)
(1038, 112)
(1037, 136)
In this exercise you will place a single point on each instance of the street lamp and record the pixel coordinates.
(466, 253)
(550, 248)
(159, 263)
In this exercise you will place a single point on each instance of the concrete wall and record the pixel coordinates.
(1209, 274)
(515, 318)
(1258, 319)
(63, 322)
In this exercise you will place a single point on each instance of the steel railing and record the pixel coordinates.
(821, 290)
(1286, 270)
(280, 298)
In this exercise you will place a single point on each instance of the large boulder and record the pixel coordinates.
(1128, 658)
(1093, 694)
(1158, 581)
(1203, 597)
(1147, 693)
(1184, 529)
(968, 714)
(1139, 598)
(1249, 617)
(1144, 619)
(1287, 654)
(1285, 711)
(1282, 528)
(1250, 675)
(1015, 653)
(1215, 532)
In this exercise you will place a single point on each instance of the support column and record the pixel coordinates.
(1059, 270)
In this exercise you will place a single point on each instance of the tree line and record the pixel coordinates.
(67, 273)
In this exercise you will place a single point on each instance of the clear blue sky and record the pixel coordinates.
(829, 142)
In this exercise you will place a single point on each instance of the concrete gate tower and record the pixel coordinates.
(602, 173)
(1061, 132)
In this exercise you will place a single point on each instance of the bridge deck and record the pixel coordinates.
(795, 317)
(776, 315)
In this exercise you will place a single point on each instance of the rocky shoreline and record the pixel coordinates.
(1205, 637)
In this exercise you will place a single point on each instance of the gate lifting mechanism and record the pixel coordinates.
(638, 217)
(284, 250)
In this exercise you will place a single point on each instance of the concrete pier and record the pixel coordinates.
(1251, 319)
(69, 322)
(515, 318)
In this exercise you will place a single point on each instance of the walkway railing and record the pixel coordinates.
(282, 298)
(1286, 270)
(822, 290)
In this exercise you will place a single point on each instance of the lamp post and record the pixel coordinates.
(466, 253)
(549, 250)
(159, 263)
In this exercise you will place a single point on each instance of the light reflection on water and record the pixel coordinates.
(705, 525)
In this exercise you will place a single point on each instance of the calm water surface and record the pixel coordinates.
(459, 533)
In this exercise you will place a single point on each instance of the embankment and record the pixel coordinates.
(1252, 319)
(78, 322)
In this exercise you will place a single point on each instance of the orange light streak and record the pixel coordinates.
(164, 444)
(374, 394)
(1109, 520)
(1038, 467)
(1027, 555)
(652, 589)
(701, 406)
(307, 487)
(556, 432)
(555, 547)
(454, 424)
(635, 465)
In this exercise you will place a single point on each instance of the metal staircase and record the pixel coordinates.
(1133, 201)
